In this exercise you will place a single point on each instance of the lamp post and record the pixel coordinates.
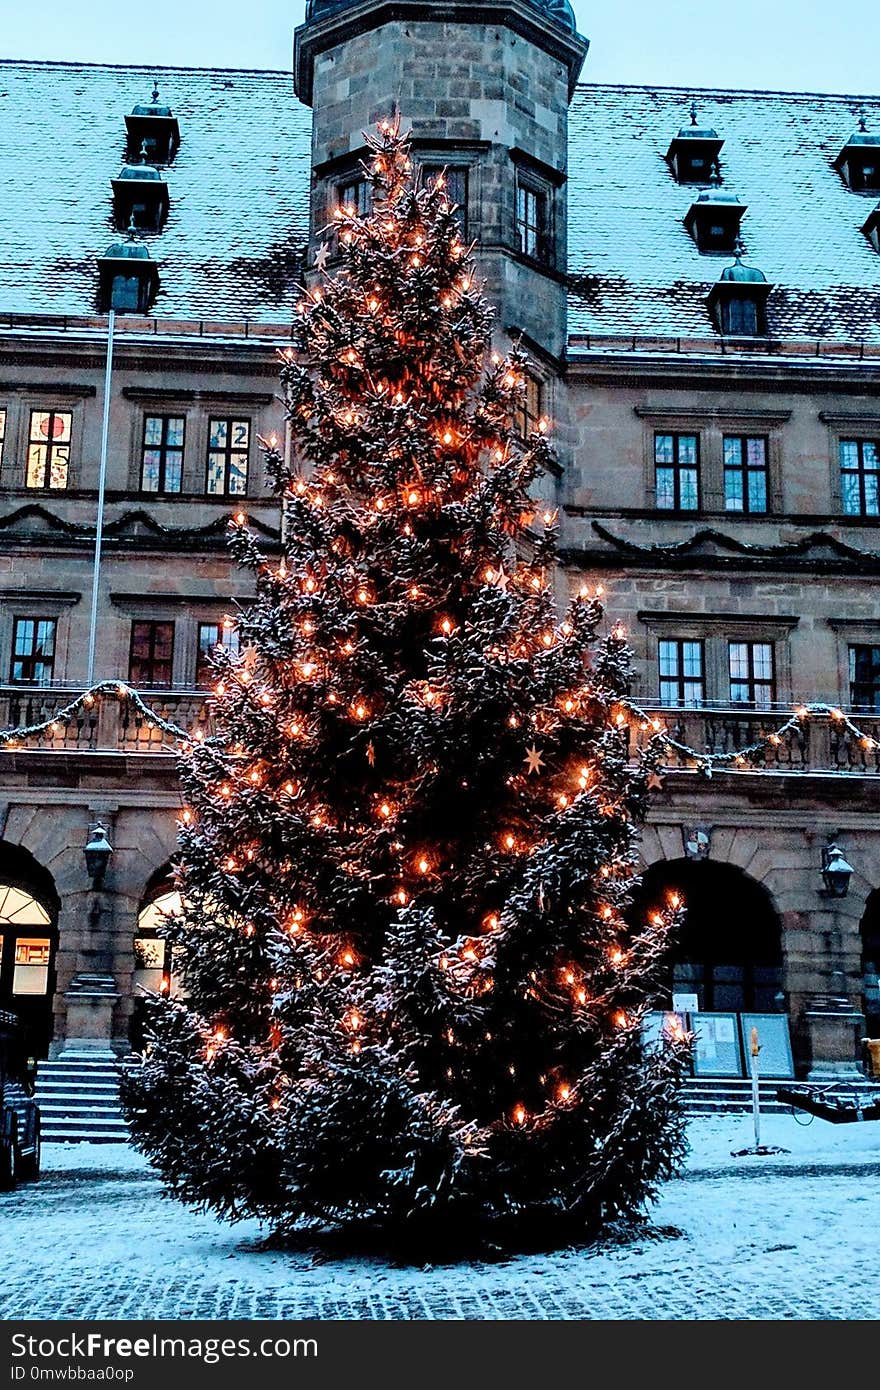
(102, 485)
(129, 281)
(97, 855)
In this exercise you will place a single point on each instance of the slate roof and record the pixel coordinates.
(238, 185)
(641, 271)
(231, 248)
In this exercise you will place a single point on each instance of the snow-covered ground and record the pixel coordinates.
(789, 1236)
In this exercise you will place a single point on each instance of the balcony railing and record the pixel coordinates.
(819, 744)
(106, 725)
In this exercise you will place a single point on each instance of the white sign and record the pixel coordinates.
(685, 1003)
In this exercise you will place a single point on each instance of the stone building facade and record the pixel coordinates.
(718, 441)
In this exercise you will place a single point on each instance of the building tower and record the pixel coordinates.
(486, 88)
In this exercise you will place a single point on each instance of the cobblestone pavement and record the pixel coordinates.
(793, 1237)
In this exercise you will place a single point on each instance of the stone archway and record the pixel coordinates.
(155, 967)
(870, 935)
(29, 907)
(729, 950)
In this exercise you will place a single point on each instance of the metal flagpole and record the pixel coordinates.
(102, 481)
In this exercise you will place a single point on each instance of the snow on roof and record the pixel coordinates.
(636, 267)
(239, 188)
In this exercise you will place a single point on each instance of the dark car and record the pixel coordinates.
(19, 1112)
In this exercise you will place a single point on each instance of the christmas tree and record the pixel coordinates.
(413, 997)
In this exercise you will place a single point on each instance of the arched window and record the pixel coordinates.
(870, 930)
(28, 938)
(729, 950)
(157, 963)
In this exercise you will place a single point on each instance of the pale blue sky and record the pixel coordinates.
(801, 45)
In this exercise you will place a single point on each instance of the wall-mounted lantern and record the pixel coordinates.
(97, 855)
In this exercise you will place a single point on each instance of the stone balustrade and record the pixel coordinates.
(820, 744)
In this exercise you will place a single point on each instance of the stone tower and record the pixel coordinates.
(485, 86)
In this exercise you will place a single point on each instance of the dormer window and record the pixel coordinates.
(153, 128)
(871, 228)
(713, 220)
(140, 197)
(738, 302)
(859, 161)
(693, 152)
(129, 280)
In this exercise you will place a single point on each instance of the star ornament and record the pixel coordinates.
(321, 256)
(502, 579)
(533, 760)
(655, 782)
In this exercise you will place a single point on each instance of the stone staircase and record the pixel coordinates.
(78, 1096)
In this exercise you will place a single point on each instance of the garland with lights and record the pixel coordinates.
(704, 761)
(413, 988)
(67, 714)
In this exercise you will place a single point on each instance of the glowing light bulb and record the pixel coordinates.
(519, 1114)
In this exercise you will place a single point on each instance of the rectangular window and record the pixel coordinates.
(532, 222)
(860, 476)
(681, 672)
(162, 453)
(212, 636)
(356, 196)
(455, 181)
(228, 447)
(33, 651)
(752, 678)
(30, 973)
(864, 677)
(677, 472)
(745, 473)
(48, 457)
(529, 410)
(151, 655)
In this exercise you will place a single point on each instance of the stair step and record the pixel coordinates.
(78, 1095)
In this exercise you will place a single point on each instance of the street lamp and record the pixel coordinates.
(97, 853)
(836, 872)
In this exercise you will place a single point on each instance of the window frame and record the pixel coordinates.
(744, 469)
(676, 468)
(431, 168)
(874, 706)
(37, 620)
(153, 624)
(163, 449)
(859, 472)
(529, 185)
(362, 200)
(752, 680)
(51, 447)
(228, 451)
(679, 677)
(525, 419)
(202, 678)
